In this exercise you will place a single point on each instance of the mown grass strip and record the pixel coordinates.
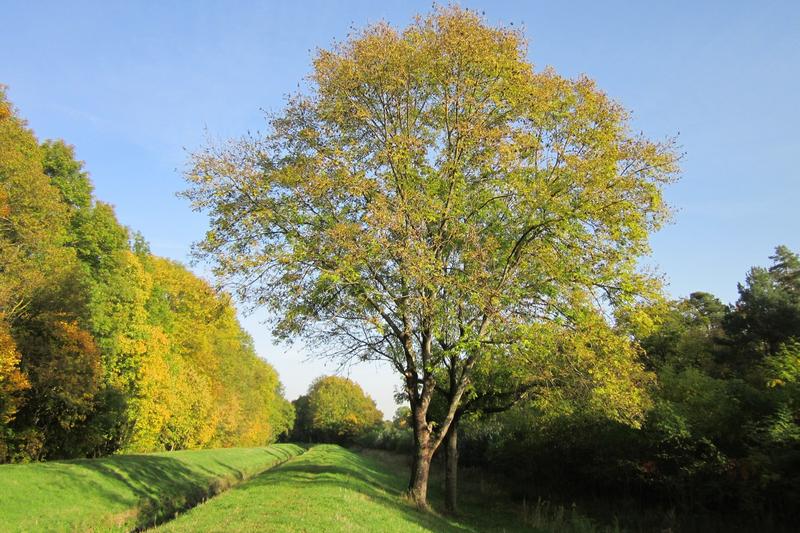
(124, 492)
(326, 489)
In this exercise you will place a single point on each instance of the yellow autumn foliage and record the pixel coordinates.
(12, 380)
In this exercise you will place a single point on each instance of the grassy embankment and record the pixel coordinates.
(326, 489)
(124, 492)
(332, 489)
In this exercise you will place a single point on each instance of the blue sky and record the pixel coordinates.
(134, 85)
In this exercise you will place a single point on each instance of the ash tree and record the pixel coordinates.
(429, 199)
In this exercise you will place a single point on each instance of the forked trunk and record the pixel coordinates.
(426, 441)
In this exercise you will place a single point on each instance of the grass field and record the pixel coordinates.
(332, 489)
(327, 488)
(124, 492)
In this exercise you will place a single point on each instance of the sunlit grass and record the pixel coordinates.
(124, 492)
(326, 489)
(332, 489)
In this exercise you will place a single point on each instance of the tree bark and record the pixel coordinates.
(423, 453)
(426, 439)
(418, 487)
(451, 468)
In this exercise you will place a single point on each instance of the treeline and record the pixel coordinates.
(104, 346)
(723, 429)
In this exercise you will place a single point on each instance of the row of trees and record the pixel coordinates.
(104, 346)
(723, 428)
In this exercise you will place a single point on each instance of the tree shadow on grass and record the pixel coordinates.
(332, 466)
(149, 489)
(161, 486)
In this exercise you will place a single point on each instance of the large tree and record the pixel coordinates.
(429, 196)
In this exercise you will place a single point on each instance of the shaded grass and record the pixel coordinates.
(333, 489)
(124, 492)
(485, 506)
(488, 505)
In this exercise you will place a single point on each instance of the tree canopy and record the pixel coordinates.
(430, 199)
(335, 409)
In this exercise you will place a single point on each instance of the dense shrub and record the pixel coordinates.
(395, 436)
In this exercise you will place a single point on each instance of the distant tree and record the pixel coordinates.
(763, 348)
(301, 431)
(430, 196)
(728, 390)
(335, 409)
(689, 333)
(402, 417)
(767, 313)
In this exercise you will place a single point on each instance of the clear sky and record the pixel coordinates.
(134, 85)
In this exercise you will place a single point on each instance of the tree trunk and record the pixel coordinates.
(426, 440)
(418, 486)
(420, 468)
(451, 468)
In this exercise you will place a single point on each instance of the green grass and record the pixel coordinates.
(123, 492)
(332, 489)
(327, 488)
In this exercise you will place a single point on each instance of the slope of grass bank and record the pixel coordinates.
(123, 492)
(326, 489)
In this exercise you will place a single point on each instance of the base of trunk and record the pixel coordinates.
(418, 486)
(420, 502)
